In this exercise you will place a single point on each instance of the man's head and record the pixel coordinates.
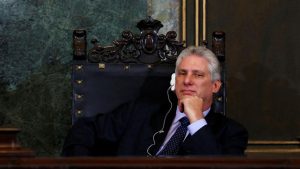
(197, 74)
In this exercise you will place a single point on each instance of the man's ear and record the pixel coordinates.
(216, 86)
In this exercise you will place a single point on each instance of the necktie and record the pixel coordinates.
(173, 145)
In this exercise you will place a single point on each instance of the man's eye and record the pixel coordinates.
(199, 75)
(181, 73)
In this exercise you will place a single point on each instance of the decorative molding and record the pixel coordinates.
(196, 22)
(273, 147)
(183, 22)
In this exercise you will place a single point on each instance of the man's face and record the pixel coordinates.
(194, 79)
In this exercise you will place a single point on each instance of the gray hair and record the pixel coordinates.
(201, 51)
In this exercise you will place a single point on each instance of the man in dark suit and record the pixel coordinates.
(146, 127)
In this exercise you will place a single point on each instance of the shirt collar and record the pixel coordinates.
(179, 114)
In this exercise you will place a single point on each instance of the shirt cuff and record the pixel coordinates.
(197, 125)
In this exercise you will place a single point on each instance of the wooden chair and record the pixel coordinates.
(135, 66)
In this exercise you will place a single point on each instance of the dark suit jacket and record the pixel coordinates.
(128, 131)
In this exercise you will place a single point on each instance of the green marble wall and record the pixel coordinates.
(35, 57)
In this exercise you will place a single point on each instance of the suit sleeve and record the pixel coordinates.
(96, 135)
(229, 139)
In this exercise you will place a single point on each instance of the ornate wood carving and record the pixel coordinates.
(148, 47)
(9, 146)
(218, 47)
(79, 44)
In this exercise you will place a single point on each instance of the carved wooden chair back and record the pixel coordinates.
(135, 66)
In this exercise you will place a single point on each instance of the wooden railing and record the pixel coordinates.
(153, 163)
(260, 154)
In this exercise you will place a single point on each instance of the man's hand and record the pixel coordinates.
(192, 107)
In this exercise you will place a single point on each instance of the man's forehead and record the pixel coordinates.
(195, 70)
(194, 59)
(193, 63)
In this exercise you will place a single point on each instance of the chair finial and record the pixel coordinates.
(149, 23)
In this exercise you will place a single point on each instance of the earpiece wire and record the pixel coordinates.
(162, 129)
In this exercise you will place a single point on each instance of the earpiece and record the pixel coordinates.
(161, 131)
(172, 82)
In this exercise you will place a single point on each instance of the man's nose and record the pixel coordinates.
(188, 79)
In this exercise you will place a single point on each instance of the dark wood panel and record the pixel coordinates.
(262, 64)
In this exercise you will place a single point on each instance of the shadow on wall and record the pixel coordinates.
(41, 108)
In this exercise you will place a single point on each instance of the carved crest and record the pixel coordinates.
(148, 47)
